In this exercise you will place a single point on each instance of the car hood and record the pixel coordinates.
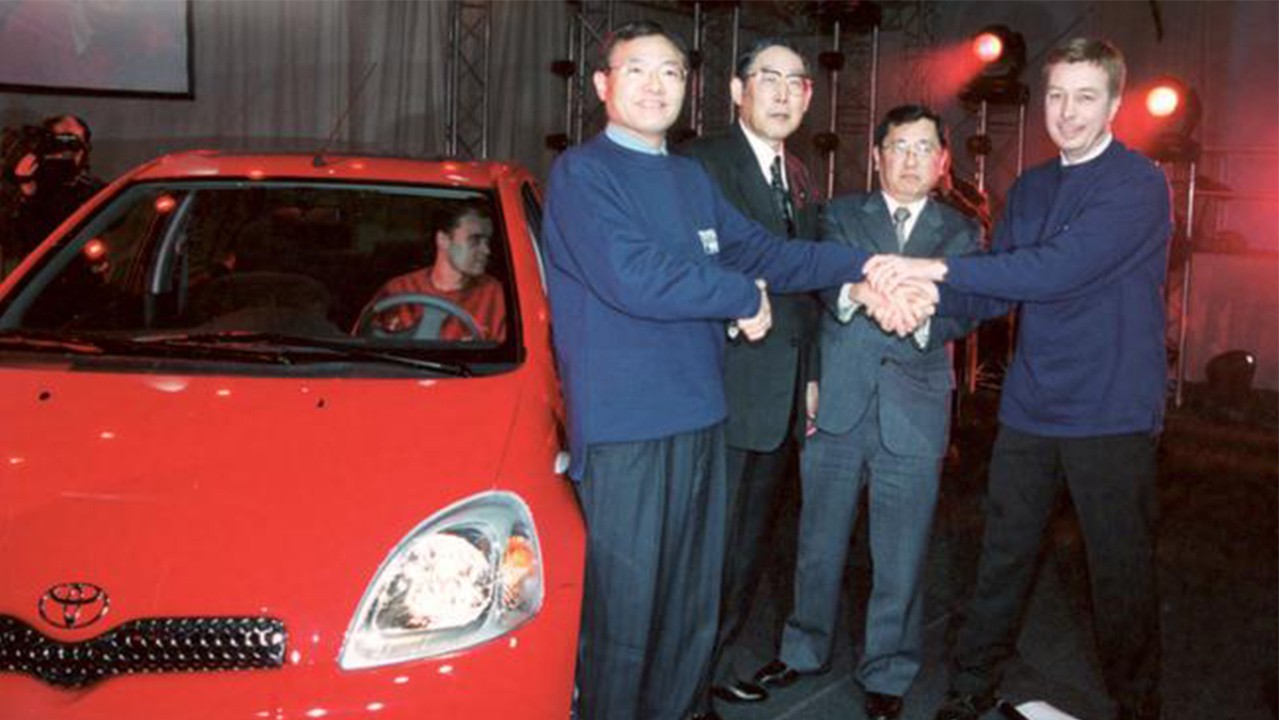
(208, 496)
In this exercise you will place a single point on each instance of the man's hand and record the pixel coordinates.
(756, 327)
(810, 408)
(24, 171)
(886, 272)
(26, 167)
(900, 311)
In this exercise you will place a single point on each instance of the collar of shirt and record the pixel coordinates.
(1092, 155)
(764, 155)
(630, 141)
(915, 209)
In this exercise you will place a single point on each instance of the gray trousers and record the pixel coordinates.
(902, 493)
(655, 552)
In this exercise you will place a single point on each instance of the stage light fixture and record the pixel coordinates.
(988, 47)
(1002, 53)
(1174, 110)
(1162, 100)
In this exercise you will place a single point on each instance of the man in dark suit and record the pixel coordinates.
(882, 423)
(765, 380)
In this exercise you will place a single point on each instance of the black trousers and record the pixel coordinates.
(761, 487)
(655, 550)
(1111, 481)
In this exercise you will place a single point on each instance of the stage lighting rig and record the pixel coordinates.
(1002, 54)
(1174, 110)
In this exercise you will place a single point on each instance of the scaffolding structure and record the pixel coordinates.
(716, 42)
(467, 87)
(853, 103)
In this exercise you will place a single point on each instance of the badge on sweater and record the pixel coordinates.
(710, 241)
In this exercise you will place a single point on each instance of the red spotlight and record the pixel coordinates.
(1165, 113)
(1163, 100)
(165, 204)
(1001, 53)
(988, 47)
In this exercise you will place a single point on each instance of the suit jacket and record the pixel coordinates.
(859, 359)
(761, 378)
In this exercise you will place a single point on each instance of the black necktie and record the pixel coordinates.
(781, 197)
(900, 216)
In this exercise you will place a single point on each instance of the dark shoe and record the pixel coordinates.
(962, 706)
(776, 674)
(882, 707)
(740, 691)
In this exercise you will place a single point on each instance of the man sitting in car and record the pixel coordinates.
(457, 275)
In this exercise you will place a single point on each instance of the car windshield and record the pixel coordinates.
(285, 269)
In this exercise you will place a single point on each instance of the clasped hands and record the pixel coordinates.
(899, 293)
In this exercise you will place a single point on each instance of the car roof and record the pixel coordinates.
(209, 164)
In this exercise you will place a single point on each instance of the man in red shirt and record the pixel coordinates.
(461, 256)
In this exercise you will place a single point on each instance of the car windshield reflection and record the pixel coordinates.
(319, 272)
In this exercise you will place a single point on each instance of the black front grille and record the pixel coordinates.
(150, 645)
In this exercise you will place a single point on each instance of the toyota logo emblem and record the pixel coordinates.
(74, 605)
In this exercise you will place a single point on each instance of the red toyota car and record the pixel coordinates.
(228, 489)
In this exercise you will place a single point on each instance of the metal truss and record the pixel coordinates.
(1001, 143)
(467, 88)
(716, 39)
(915, 20)
(988, 147)
(854, 101)
(589, 21)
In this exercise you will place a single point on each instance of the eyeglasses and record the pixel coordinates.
(922, 149)
(667, 72)
(772, 80)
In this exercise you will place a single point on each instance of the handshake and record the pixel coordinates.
(899, 293)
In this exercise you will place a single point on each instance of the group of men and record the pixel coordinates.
(696, 364)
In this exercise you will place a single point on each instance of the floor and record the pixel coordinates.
(1218, 574)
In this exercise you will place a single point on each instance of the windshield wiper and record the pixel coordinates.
(52, 342)
(289, 344)
(104, 345)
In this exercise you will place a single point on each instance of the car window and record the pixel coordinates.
(533, 220)
(355, 264)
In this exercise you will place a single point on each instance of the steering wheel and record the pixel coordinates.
(435, 310)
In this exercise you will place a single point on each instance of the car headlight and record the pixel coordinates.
(469, 573)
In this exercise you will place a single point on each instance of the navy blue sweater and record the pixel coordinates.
(646, 262)
(1083, 248)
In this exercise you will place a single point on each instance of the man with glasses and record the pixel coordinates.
(646, 262)
(764, 381)
(881, 424)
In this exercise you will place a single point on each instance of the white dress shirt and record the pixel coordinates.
(764, 154)
(1092, 154)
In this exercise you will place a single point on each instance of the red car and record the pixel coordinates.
(228, 490)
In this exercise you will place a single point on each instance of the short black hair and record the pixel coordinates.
(448, 218)
(632, 31)
(747, 57)
(905, 114)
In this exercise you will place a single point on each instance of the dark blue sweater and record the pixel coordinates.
(1083, 248)
(645, 264)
